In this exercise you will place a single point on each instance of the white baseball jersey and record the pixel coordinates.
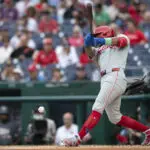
(113, 84)
(112, 56)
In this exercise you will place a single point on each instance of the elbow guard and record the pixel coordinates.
(122, 42)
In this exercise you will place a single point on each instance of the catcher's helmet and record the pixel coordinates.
(104, 32)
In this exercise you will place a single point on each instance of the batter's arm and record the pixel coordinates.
(88, 44)
(89, 52)
(121, 42)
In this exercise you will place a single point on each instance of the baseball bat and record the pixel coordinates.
(90, 16)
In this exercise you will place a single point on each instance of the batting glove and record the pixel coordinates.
(88, 40)
(99, 42)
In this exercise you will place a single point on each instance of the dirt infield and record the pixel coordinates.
(75, 148)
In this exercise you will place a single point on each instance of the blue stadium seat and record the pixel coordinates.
(89, 68)
(56, 40)
(48, 71)
(70, 72)
(134, 72)
(67, 27)
(24, 65)
(79, 50)
(38, 40)
(130, 61)
(86, 30)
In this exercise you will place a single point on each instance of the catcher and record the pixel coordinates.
(110, 51)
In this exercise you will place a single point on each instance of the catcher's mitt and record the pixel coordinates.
(139, 86)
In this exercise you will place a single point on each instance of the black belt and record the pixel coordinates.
(113, 69)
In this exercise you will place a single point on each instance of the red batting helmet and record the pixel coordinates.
(104, 31)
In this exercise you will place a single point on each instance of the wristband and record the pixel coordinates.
(108, 41)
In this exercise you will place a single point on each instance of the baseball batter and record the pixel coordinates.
(110, 51)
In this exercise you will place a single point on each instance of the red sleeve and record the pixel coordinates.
(37, 59)
(141, 36)
(55, 59)
(41, 27)
(122, 42)
(55, 25)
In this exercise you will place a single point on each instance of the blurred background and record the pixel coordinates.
(47, 82)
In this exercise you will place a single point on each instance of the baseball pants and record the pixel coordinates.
(113, 85)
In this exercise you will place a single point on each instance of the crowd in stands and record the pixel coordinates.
(42, 40)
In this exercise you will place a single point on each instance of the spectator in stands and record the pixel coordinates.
(5, 51)
(116, 28)
(22, 6)
(34, 2)
(18, 75)
(146, 18)
(32, 24)
(47, 55)
(15, 41)
(47, 24)
(9, 129)
(135, 35)
(123, 13)
(80, 73)
(76, 39)
(73, 7)
(67, 129)
(60, 11)
(100, 16)
(35, 74)
(23, 51)
(7, 73)
(145, 25)
(135, 11)
(113, 10)
(8, 12)
(21, 23)
(42, 6)
(41, 130)
(67, 55)
(57, 75)
(95, 75)
(1, 38)
(84, 58)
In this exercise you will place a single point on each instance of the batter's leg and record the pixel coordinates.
(114, 115)
(113, 111)
(105, 96)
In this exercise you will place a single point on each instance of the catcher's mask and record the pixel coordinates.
(104, 32)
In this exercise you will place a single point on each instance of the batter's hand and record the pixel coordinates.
(89, 40)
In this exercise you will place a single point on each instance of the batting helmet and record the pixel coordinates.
(104, 31)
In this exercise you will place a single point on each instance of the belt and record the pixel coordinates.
(112, 70)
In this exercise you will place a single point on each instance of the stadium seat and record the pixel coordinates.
(70, 72)
(48, 71)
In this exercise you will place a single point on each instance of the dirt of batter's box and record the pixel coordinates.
(75, 148)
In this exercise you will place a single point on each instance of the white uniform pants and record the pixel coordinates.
(113, 86)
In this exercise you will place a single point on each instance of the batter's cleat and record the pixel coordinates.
(147, 138)
(73, 141)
